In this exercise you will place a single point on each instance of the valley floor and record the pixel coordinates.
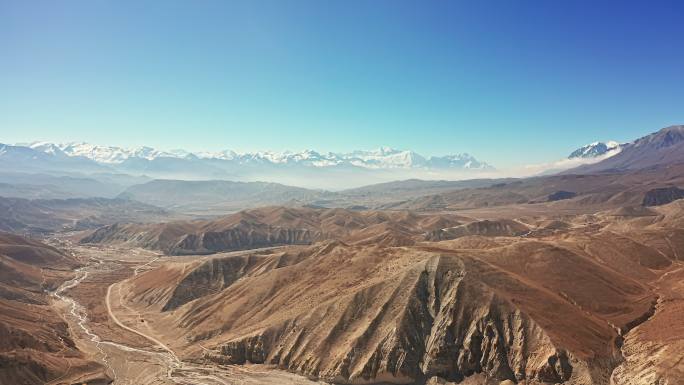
(116, 336)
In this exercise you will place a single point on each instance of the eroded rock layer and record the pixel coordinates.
(575, 301)
(433, 320)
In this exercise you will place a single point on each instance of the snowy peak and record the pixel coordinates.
(385, 157)
(381, 158)
(661, 148)
(100, 154)
(48, 148)
(466, 161)
(597, 149)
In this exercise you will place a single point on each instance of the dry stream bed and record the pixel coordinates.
(107, 330)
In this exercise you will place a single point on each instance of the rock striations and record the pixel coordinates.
(432, 320)
(555, 306)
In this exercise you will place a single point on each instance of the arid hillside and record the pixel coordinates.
(570, 193)
(36, 347)
(276, 226)
(572, 279)
(46, 216)
(572, 300)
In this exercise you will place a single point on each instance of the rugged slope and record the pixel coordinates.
(275, 226)
(35, 343)
(662, 148)
(553, 307)
(41, 216)
(411, 333)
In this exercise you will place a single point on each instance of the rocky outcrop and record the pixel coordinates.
(561, 195)
(488, 228)
(174, 239)
(662, 196)
(210, 277)
(241, 239)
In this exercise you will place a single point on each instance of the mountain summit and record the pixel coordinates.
(661, 148)
(596, 149)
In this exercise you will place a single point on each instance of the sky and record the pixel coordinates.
(511, 82)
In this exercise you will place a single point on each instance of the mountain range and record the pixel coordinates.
(310, 169)
(381, 158)
(222, 182)
(563, 279)
(572, 278)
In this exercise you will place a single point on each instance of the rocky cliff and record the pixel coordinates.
(433, 320)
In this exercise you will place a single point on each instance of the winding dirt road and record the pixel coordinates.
(130, 365)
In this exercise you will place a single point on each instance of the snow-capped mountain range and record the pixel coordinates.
(382, 158)
(310, 169)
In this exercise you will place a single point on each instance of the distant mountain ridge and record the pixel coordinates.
(44, 216)
(596, 149)
(381, 158)
(218, 196)
(659, 149)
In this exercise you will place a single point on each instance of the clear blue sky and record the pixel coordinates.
(509, 81)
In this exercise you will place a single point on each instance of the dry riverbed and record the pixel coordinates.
(118, 338)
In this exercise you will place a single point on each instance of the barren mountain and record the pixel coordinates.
(274, 226)
(42, 216)
(555, 306)
(579, 192)
(490, 228)
(662, 148)
(383, 194)
(215, 197)
(565, 279)
(562, 279)
(219, 196)
(36, 346)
